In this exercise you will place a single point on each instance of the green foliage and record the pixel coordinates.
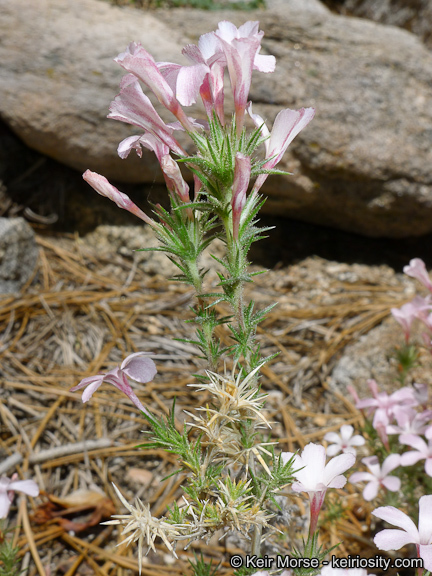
(9, 561)
(311, 550)
(165, 436)
(407, 356)
(201, 568)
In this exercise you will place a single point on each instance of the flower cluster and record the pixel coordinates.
(420, 308)
(228, 48)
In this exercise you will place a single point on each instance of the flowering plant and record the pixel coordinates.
(232, 474)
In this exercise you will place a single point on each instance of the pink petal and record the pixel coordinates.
(264, 63)
(390, 463)
(172, 171)
(142, 65)
(189, 81)
(428, 466)
(371, 490)
(86, 381)
(357, 440)
(259, 123)
(346, 432)
(287, 125)
(332, 437)
(392, 539)
(425, 519)
(410, 458)
(415, 442)
(26, 486)
(90, 390)
(5, 504)
(417, 269)
(208, 46)
(128, 144)
(118, 379)
(394, 516)
(392, 483)
(104, 188)
(132, 106)
(139, 367)
(313, 459)
(335, 467)
(240, 54)
(242, 172)
(333, 449)
(361, 477)
(425, 552)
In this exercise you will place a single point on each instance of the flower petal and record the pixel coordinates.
(398, 518)
(139, 367)
(425, 552)
(242, 173)
(371, 490)
(5, 504)
(104, 188)
(28, 487)
(337, 466)
(392, 483)
(425, 519)
(392, 539)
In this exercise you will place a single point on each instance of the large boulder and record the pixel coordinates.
(362, 165)
(413, 15)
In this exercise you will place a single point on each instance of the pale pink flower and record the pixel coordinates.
(149, 141)
(422, 450)
(174, 178)
(396, 539)
(9, 486)
(314, 476)
(417, 269)
(241, 48)
(384, 404)
(138, 367)
(409, 421)
(378, 475)
(344, 442)
(104, 188)
(248, 31)
(228, 46)
(132, 106)
(407, 313)
(287, 125)
(242, 173)
(205, 75)
(141, 64)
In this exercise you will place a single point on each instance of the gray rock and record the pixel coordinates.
(413, 15)
(374, 356)
(18, 254)
(362, 165)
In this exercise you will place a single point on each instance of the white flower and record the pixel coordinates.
(314, 476)
(344, 442)
(378, 475)
(396, 539)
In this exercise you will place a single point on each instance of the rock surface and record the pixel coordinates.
(413, 15)
(362, 165)
(18, 254)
